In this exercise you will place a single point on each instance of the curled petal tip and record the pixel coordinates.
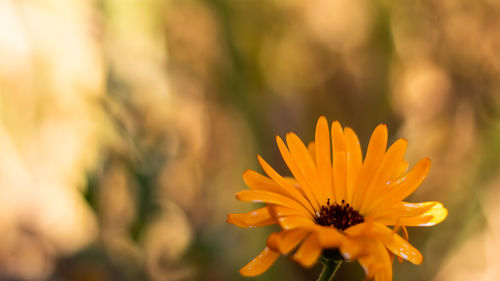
(426, 162)
(260, 264)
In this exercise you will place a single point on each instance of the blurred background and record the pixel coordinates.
(125, 126)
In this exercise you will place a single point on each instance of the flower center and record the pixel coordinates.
(338, 216)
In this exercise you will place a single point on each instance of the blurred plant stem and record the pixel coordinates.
(330, 267)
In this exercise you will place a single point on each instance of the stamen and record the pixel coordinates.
(338, 216)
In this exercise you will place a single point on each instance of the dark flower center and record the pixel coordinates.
(338, 216)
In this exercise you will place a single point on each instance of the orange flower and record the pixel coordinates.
(335, 200)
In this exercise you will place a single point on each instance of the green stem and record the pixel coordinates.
(329, 269)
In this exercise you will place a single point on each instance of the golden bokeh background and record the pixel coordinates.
(125, 126)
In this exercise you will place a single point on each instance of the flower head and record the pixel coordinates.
(338, 201)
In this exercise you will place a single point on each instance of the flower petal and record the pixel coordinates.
(329, 237)
(405, 186)
(431, 217)
(255, 218)
(402, 248)
(286, 184)
(296, 172)
(375, 152)
(339, 176)
(309, 251)
(323, 161)
(391, 240)
(402, 209)
(286, 240)
(311, 147)
(295, 222)
(306, 168)
(273, 241)
(354, 161)
(259, 196)
(261, 263)
(289, 239)
(370, 265)
(377, 263)
(280, 211)
(352, 247)
(401, 169)
(257, 181)
(438, 213)
(389, 164)
(338, 141)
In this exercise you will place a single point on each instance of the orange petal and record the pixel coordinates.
(257, 181)
(295, 170)
(391, 240)
(375, 261)
(438, 213)
(405, 186)
(351, 248)
(412, 180)
(273, 241)
(329, 237)
(295, 222)
(311, 147)
(286, 240)
(309, 251)
(371, 266)
(375, 152)
(338, 141)
(255, 218)
(306, 168)
(354, 161)
(323, 161)
(403, 249)
(294, 182)
(261, 263)
(289, 239)
(338, 145)
(339, 176)
(280, 211)
(433, 216)
(393, 158)
(401, 169)
(402, 209)
(389, 163)
(286, 184)
(259, 196)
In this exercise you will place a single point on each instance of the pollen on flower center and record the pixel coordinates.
(338, 216)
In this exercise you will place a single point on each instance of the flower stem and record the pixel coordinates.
(329, 269)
